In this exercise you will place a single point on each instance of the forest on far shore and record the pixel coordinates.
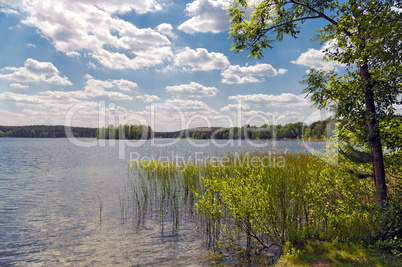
(316, 130)
(45, 131)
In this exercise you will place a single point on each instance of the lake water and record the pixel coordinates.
(51, 191)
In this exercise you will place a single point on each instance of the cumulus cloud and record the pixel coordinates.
(206, 16)
(313, 58)
(175, 114)
(188, 107)
(282, 71)
(50, 110)
(124, 6)
(19, 86)
(110, 6)
(89, 27)
(149, 98)
(25, 99)
(235, 107)
(96, 89)
(192, 90)
(262, 100)
(241, 75)
(35, 71)
(166, 29)
(200, 60)
(51, 107)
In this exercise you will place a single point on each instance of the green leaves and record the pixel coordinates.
(365, 36)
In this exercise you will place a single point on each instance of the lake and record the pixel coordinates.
(60, 202)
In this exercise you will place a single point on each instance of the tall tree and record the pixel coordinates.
(365, 36)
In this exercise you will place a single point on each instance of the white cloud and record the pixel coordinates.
(51, 107)
(35, 71)
(313, 58)
(206, 16)
(235, 107)
(31, 45)
(89, 27)
(149, 98)
(21, 98)
(282, 71)
(241, 75)
(47, 109)
(7, 114)
(124, 6)
(285, 100)
(125, 85)
(177, 114)
(191, 106)
(166, 29)
(19, 86)
(188, 108)
(200, 60)
(192, 90)
(92, 65)
(8, 11)
(96, 89)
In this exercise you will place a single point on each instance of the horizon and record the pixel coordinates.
(197, 127)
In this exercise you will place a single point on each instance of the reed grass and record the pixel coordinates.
(256, 201)
(100, 203)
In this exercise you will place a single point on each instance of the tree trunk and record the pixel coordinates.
(376, 147)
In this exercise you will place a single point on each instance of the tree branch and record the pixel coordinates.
(288, 22)
(320, 14)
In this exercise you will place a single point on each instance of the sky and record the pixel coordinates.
(164, 63)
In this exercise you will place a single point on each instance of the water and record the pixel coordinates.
(51, 192)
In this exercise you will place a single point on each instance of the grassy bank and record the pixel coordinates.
(316, 253)
(263, 204)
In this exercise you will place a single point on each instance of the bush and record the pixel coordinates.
(389, 234)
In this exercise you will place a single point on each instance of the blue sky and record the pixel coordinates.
(166, 63)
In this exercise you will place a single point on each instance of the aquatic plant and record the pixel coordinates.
(100, 202)
(257, 201)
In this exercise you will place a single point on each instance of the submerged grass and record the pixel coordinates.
(257, 203)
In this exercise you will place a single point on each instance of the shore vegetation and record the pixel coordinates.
(266, 206)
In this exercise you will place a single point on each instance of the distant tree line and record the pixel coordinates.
(175, 134)
(131, 132)
(45, 131)
(317, 130)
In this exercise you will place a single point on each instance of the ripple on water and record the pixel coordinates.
(51, 192)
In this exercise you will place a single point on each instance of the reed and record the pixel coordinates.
(124, 201)
(100, 202)
(256, 201)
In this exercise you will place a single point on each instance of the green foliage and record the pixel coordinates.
(345, 96)
(342, 205)
(131, 132)
(389, 232)
(306, 199)
(363, 35)
(318, 253)
(45, 131)
(317, 130)
(273, 203)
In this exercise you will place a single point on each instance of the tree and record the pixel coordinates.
(365, 36)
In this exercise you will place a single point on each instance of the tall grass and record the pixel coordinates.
(256, 201)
